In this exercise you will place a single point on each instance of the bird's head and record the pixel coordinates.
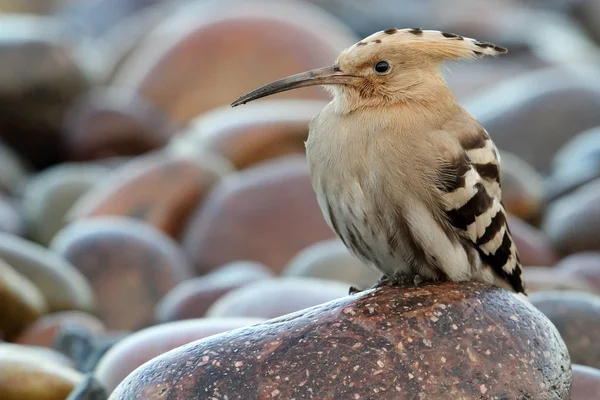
(395, 65)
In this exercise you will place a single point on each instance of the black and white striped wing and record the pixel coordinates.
(474, 207)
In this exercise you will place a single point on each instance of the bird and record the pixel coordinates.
(403, 174)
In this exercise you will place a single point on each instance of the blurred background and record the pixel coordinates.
(133, 195)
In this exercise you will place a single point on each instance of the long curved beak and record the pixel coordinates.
(322, 76)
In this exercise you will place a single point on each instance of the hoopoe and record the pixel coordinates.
(405, 176)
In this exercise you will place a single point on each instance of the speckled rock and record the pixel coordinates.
(568, 98)
(43, 331)
(533, 245)
(142, 346)
(275, 297)
(192, 298)
(330, 259)
(114, 122)
(522, 187)
(257, 132)
(21, 302)
(161, 189)
(181, 64)
(571, 222)
(130, 266)
(576, 315)
(61, 284)
(586, 383)
(436, 341)
(584, 266)
(39, 78)
(266, 213)
(49, 195)
(540, 279)
(38, 377)
(574, 165)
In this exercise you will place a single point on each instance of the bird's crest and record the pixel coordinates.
(436, 44)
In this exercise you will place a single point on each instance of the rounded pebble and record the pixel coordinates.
(586, 383)
(583, 266)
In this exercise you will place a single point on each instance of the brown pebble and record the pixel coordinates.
(576, 315)
(257, 132)
(142, 346)
(583, 266)
(533, 245)
(266, 213)
(522, 188)
(586, 383)
(437, 341)
(192, 298)
(161, 189)
(43, 331)
(130, 266)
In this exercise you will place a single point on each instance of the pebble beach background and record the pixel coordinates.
(139, 212)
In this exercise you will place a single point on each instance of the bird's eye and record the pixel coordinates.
(382, 67)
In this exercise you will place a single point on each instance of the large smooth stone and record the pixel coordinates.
(49, 195)
(535, 114)
(522, 187)
(192, 298)
(10, 219)
(330, 259)
(584, 266)
(144, 345)
(190, 63)
(533, 245)
(266, 213)
(161, 189)
(43, 331)
(438, 341)
(577, 163)
(275, 297)
(27, 375)
(114, 122)
(129, 264)
(586, 382)
(21, 302)
(254, 133)
(61, 284)
(39, 78)
(13, 171)
(576, 315)
(571, 222)
(539, 279)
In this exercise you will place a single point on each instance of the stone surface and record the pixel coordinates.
(437, 341)
(43, 331)
(10, 219)
(266, 214)
(574, 165)
(181, 64)
(586, 382)
(584, 266)
(13, 172)
(62, 285)
(330, 259)
(26, 375)
(111, 122)
(522, 187)
(571, 222)
(577, 317)
(567, 97)
(130, 266)
(34, 101)
(148, 343)
(254, 133)
(275, 297)
(533, 245)
(21, 302)
(160, 188)
(49, 195)
(192, 298)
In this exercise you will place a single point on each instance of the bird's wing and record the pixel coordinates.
(472, 197)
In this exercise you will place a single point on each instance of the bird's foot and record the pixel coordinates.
(385, 280)
(354, 290)
(418, 279)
